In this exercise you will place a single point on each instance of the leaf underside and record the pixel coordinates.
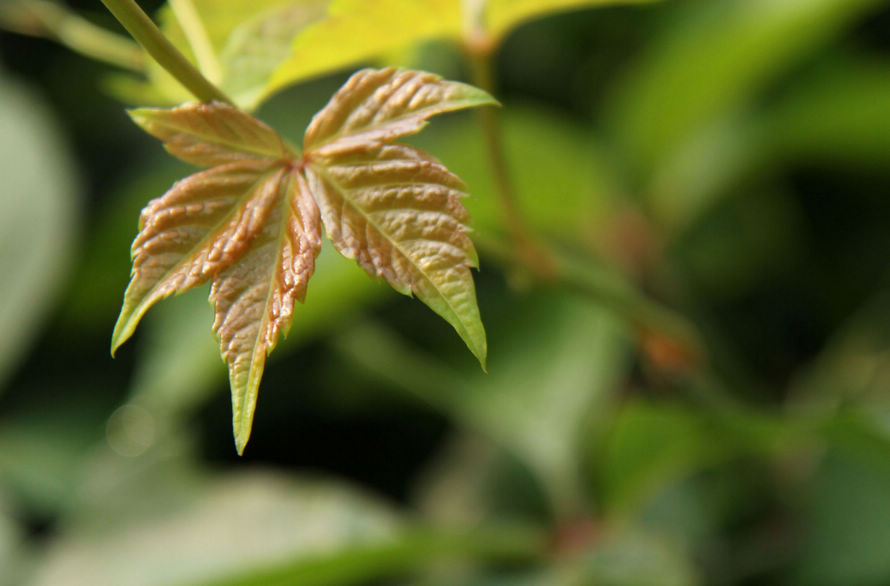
(251, 222)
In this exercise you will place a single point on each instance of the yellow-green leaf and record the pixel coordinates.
(382, 105)
(360, 30)
(254, 298)
(258, 46)
(357, 30)
(397, 212)
(240, 43)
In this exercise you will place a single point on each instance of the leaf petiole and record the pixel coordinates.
(532, 254)
(147, 34)
(198, 39)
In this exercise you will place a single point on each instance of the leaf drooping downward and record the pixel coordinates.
(254, 298)
(398, 213)
(251, 223)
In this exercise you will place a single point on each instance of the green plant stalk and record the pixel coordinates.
(147, 34)
(52, 21)
(198, 39)
(533, 255)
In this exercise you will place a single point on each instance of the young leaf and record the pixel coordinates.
(197, 229)
(254, 297)
(211, 134)
(399, 215)
(380, 106)
(251, 223)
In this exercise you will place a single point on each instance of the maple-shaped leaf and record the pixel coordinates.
(251, 222)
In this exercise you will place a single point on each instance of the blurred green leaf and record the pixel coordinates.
(38, 224)
(711, 63)
(846, 512)
(179, 360)
(405, 552)
(625, 557)
(546, 372)
(636, 558)
(835, 116)
(10, 542)
(236, 522)
(474, 480)
(648, 447)
(651, 446)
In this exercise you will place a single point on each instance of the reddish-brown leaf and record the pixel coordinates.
(377, 106)
(211, 134)
(254, 298)
(251, 223)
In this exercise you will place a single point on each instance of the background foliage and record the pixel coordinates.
(728, 159)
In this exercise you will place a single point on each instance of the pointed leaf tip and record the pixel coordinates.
(254, 297)
(251, 223)
(397, 212)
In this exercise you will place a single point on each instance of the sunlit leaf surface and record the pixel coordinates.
(251, 223)
(356, 30)
(246, 40)
(380, 106)
(257, 46)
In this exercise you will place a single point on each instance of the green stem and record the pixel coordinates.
(197, 37)
(147, 34)
(533, 255)
(52, 21)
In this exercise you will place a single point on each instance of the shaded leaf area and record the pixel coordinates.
(251, 223)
